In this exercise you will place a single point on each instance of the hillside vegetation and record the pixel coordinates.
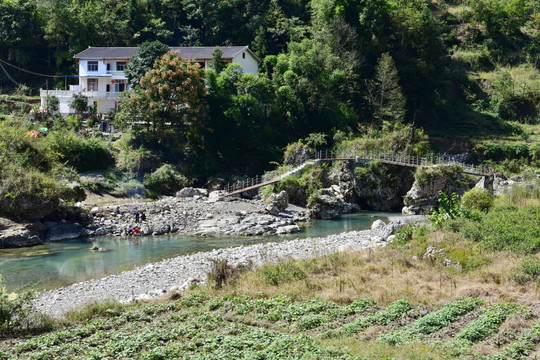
(464, 71)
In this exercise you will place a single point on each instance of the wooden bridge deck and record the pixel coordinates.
(358, 156)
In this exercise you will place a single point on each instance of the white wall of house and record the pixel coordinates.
(107, 73)
(247, 62)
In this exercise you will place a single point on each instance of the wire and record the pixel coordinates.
(28, 71)
(9, 76)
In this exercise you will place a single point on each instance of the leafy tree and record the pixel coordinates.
(79, 103)
(52, 103)
(20, 31)
(501, 18)
(218, 64)
(172, 99)
(143, 61)
(386, 96)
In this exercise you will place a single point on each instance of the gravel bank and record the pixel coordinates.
(153, 280)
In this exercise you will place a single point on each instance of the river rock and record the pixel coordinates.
(378, 224)
(272, 208)
(18, 237)
(277, 202)
(188, 192)
(326, 204)
(485, 183)
(288, 229)
(64, 232)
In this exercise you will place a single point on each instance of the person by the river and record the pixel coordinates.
(137, 214)
(143, 216)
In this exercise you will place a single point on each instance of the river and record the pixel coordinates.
(66, 262)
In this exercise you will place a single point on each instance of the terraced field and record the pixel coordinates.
(240, 327)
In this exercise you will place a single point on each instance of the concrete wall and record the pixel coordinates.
(248, 63)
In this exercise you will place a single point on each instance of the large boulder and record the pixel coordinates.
(64, 232)
(18, 236)
(326, 204)
(424, 194)
(277, 203)
(188, 192)
(27, 207)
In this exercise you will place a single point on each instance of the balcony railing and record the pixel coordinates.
(89, 94)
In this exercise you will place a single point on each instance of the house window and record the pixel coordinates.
(92, 84)
(108, 88)
(201, 64)
(121, 65)
(92, 66)
(243, 55)
(108, 66)
(119, 85)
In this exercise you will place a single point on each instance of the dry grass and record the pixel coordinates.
(392, 273)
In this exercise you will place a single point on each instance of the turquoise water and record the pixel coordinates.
(66, 262)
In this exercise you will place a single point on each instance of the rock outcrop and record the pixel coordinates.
(373, 186)
(424, 193)
(18, 236)
(277, 203)
(326, 204)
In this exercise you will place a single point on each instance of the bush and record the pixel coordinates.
(478, 199)
(166, 180)
(283, 272)
(507, 228)
(83, 154)
(30, 186)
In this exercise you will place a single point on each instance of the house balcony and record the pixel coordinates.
(90, 94)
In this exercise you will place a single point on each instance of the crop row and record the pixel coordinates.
(433, 321)
(393, 312)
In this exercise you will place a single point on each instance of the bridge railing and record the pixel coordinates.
(357, 155)
(403, 159)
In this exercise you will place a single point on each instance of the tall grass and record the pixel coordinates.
(523, 195)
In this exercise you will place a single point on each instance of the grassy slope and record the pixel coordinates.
(465, 125)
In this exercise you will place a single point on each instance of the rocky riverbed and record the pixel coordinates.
(197, 214)
(191, 212)
(154, 280)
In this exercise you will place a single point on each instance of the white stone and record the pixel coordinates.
(378, 224)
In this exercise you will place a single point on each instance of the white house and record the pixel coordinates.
(101, 72)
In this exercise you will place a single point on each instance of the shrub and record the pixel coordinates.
(449, 209)
(478, 199)
(166, 180)
(507, 227)
(128, 187)
(528, 271)
(284, 271)
(83, 154)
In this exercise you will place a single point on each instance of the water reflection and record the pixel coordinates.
(67, 262)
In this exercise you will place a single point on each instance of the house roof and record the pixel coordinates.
(195, 52)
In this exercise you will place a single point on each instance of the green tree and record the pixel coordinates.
(386, 95)
(52, 104)
(143, 61)
(79, 103)
(172, 99)
(218, 64)
(20, 32)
